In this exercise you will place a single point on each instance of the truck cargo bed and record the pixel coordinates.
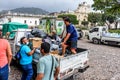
(71, 63)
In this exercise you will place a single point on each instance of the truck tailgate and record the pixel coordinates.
(69, 64)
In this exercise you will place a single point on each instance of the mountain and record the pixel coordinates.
(28, 10)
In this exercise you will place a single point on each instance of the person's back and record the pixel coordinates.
(71, 29)
(46, 66)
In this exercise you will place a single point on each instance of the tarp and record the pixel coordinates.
(9, 27)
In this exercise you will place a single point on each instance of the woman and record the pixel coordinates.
(5, 58)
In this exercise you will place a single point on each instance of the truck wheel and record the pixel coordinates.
(78, 76)
(96, 41)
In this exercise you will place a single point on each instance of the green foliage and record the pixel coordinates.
(83, 28)
(85, 23)
(114, 31)
(109, 17)
(107, 6)
(73, 18)
(101, 18)
(94, 17)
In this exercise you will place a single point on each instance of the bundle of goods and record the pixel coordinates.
(38, 33)
(112, 35)
(37, 55)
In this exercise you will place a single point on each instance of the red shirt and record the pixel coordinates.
(4, 45)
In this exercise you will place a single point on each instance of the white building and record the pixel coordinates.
(29, 19)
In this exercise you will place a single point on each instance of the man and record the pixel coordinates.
(71, 37)
(5, 58)
(26, 59)
(47, 64)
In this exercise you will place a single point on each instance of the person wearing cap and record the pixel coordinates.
(54, 35)
(71, 37)
(5, 58)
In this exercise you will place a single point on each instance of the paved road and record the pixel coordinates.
(104, 61)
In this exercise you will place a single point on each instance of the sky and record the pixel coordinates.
(48, 5)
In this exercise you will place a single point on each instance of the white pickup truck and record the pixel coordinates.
(68, 65)
(100, 34)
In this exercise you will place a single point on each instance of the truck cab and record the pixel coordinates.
(95, 34)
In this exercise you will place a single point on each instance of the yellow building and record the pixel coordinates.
(82, 12)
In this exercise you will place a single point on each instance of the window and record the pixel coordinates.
(95, 30)
(25, 21)
(40, 22)
(9, 19)
(36, 22)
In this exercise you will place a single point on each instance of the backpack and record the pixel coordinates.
(18, 55)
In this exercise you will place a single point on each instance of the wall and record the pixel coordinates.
(30, 21)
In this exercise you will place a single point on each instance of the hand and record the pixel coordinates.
(9, 69)
(63, 43)
(55, 78)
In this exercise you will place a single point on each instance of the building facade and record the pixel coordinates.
(82, 12)
(29, 19)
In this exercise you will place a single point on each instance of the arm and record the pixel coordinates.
(31, 52)
(9, 54)
(40, 70)
(56, 72)
(66, 38)
(57, 69)
(39, 76)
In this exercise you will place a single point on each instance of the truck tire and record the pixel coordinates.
(96, 41)
(78, 76)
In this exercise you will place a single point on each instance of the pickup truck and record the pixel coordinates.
(68, 65)
(100, 34)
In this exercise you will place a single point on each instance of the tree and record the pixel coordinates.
(73, 18)
(107, 6)
(94, 18)
(85, 23)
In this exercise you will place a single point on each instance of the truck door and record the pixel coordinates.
(94, 33)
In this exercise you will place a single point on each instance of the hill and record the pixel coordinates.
(28, 10)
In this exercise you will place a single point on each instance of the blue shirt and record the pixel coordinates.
(71, 29)
(25, 58)
(44, 66)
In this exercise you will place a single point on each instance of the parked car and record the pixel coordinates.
(80, 33)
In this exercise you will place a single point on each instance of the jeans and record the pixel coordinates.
(27, 72)
(4, 71)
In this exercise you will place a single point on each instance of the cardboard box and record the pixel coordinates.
(36, 42)
(57, 56)
(54, 52)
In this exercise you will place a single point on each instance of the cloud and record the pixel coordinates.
(49, 5)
